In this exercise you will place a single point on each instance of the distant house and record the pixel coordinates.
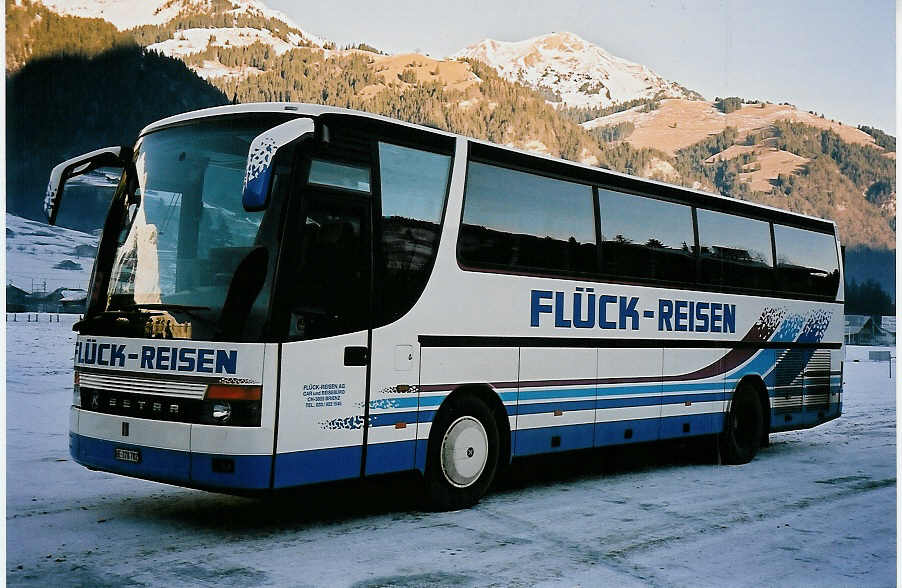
(888, 323)
(73, 301)
(867, 330)
(60, 300)
(16, 299)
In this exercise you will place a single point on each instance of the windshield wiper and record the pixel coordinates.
(104, 314)
(186, 308)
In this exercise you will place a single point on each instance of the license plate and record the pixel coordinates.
(129, 455)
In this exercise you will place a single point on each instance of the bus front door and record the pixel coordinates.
(323, 379)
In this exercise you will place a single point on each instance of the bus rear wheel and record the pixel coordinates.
(463, 454)
(744, 427)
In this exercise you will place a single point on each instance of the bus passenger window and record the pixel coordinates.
(735, 251)
(523, 221)
(806, 262)
(646, 238)
(414, 184)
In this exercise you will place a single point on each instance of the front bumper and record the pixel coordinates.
(166, 451)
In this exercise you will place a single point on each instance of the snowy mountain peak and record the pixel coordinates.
(572, 71)
(128, 14)
(198, 26)
(124, 14)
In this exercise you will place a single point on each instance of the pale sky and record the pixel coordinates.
(837, 57)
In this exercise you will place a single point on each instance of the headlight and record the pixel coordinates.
(221, 411)
(235, 405)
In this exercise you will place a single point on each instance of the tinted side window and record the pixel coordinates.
(646, 238)
(332, 267)
(806, 261)
(414, 184)
(735, 251)
(518, 220)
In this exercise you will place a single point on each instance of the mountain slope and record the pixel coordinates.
(530, 95)
(572, 71)
(129, 14)
(42, 257)
(59, 107)
(676, 124)
(34, 31)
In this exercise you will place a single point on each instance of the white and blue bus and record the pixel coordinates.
(287, 294)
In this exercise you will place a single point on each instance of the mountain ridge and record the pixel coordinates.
(726, 145)
(573, 71)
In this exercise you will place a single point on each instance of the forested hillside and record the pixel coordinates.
(33, 32)
(59, 107)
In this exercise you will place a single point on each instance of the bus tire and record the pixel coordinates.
(463, 454)
(743, 429)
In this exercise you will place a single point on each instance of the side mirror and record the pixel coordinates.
(258, 174)
(82, 164)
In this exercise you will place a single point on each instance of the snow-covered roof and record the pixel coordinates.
(855, 322)
(888, 323)
(73, 295)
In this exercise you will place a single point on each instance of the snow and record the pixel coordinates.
(33, 249)
(124, 14)
(815, 508)
(127, 14)
(189, 41)
(583, 74)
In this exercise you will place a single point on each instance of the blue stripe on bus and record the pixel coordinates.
(251, 471)
(168, 465)
(603, 403)
(385, 419)
(317, 465)
(760, 363)
(541, 407)
(652, 400)
(390, 418)
(615, 432)
(673, 427)
(570, 437)
(384, 458)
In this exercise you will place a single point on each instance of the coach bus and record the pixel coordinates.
(287, 294)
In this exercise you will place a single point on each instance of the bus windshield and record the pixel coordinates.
(189, 261)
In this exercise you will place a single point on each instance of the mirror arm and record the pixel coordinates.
(76, 166)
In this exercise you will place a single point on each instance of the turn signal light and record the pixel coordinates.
(233, 392)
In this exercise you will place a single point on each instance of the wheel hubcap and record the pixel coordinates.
(465, 450)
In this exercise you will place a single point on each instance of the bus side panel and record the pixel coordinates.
(394, 381)
(693, 396)
(556, 402)
(786, 400)
(443, 369)
(247, 450)
(836, 375)
(816, 393)
(321, 412)
(628, 402)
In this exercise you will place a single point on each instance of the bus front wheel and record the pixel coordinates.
(743, 428)
(463, 454)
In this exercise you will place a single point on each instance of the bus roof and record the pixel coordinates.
(315, 110)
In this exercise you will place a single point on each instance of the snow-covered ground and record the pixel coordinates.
(818, 507)
(38, 254)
